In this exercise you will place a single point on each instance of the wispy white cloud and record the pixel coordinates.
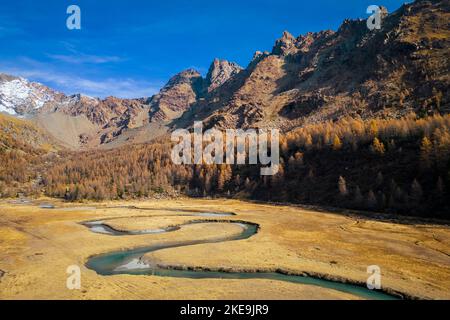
(84, 58)
(70, 83)
(74, 56)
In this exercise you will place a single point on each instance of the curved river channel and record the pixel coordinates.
(130, 262)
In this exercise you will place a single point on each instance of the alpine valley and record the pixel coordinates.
(346, 101)
(362, 191)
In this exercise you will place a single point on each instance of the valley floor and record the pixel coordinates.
(38, 244)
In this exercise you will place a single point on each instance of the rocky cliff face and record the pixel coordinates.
(286, 45)
(103, 112)
(176, 96)
(220, 72)
(351, 72)
(189, 87)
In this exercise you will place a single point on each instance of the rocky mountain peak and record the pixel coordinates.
(305, 42)
(257, 57)
(185, 76)
(176, 96)
(83, 97)
(20, 96)
(384, 12)
(6, 77)
(288, 45)
(258, 54)
(285, 45)
(352, 72)
(219, 72)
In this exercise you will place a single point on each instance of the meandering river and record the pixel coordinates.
(131, 262)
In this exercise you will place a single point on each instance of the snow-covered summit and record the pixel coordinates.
(20, 96)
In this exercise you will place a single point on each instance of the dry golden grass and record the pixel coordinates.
(37, 245)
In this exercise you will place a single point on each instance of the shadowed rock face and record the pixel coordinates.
(189, 87)
(176, 96)
(220, 72)
(286, 45)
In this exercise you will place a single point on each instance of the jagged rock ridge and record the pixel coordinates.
(351, 72)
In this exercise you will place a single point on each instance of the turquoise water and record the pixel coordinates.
(118, 262)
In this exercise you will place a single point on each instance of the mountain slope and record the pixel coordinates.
(80, 122)
(19, 96)
(176, 96)
(25, 150)
(220, 72)
(304, 80)
(351, 72)
(345, 99)
(76, 121)
(189, 87)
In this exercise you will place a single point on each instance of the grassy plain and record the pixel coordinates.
(37, 245)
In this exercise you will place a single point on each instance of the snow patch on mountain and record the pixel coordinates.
(5, 109)
(19, 96)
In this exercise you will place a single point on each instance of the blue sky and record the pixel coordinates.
(131, 48)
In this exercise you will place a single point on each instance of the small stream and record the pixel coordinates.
(130, 261)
